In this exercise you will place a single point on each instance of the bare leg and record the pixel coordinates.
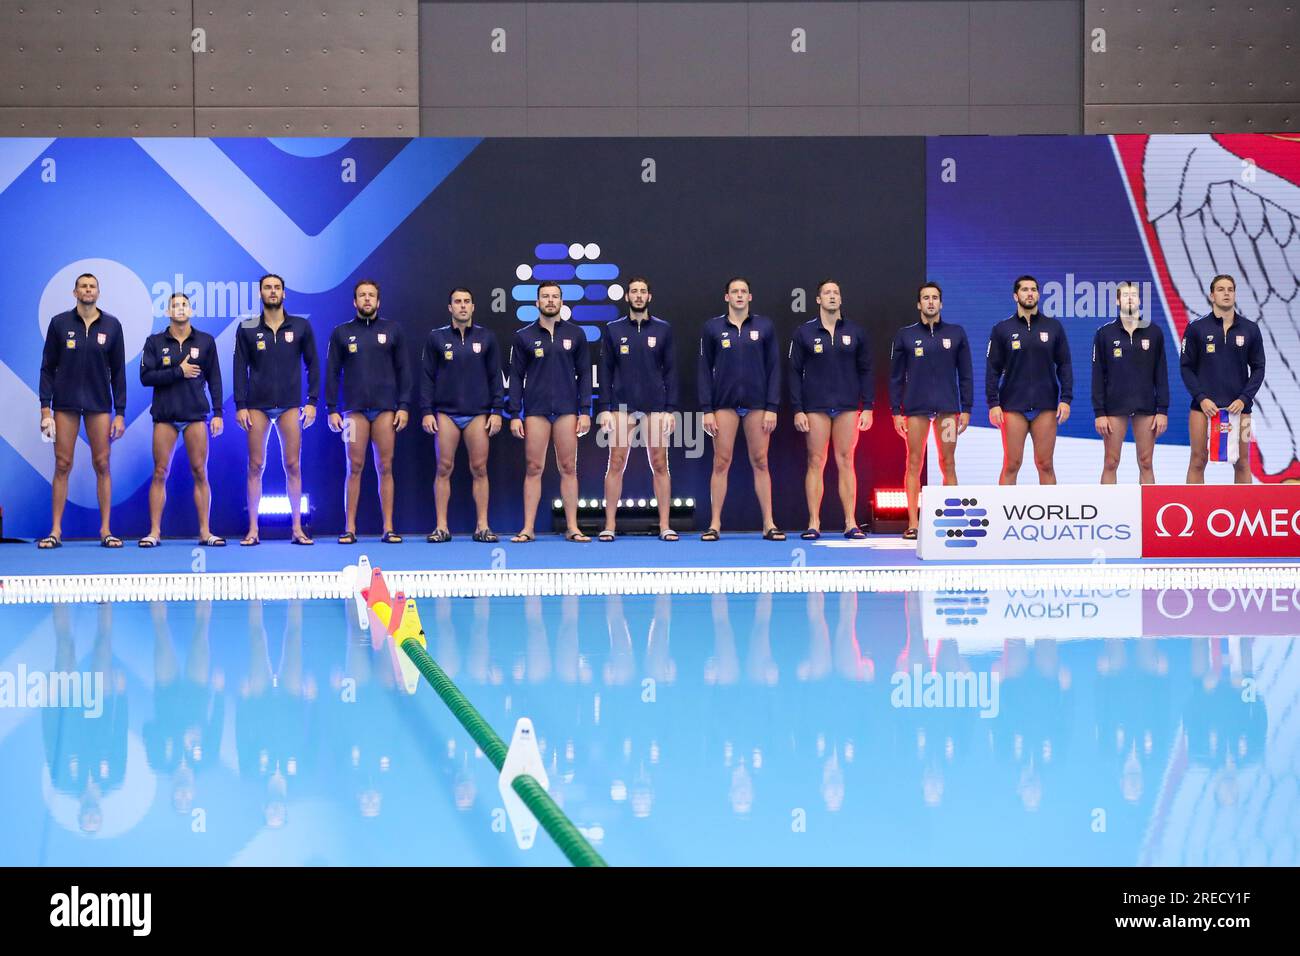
(1241, 469)
(844, 436)
(657, 451)
(259, 430)
(1113, 446)
(97, 427)
(724, 444)
(564, 433)
(356, 438)
(918, 427)
(945, 442)
(817, 440)
(1043, 432)
(196, 449)
(1198, 428)
(1145, 439)
(618, 449)
(1015, 427)
(756, 441)
(477, 445)
(383, 437)
(289, 428)
(66, 427)
(537, 438)
(164, 446)
(448, 441)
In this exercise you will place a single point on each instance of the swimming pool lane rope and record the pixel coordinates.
(543, 806)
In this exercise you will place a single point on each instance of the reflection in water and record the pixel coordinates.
(285, 718)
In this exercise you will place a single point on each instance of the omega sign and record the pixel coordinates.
(1223, 521)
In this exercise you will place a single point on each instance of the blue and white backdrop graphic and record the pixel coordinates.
(208, 217)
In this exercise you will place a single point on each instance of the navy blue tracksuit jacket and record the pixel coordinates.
(83, 369)
(930, 370)
(370, 358)
(637, 369)
(268, 365)
(830, 371)
(1223, 367)
(1028, 366)
(1130, 375)
(739, 367)
(175, 397)
(550, 372)
(460, 373)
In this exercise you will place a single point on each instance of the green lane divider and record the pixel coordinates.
(548, 813)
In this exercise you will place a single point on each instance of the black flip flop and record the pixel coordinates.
(773, 534)
(391, 537)
(713, 534)
(812, 534)
(347, 537)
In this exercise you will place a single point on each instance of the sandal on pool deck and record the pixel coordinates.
(301, 537)
(212, 541)
(524, 537)
(348, 537)
(392, 537)
(855, 534)
(812, 534)
(250, 541)
(605, 535)
(576, 536)
(486, 536)
(713, 534)
(148, 541)
(438, 536)
(667, 534)
(110, 541)
(773, 534)
(49, 542)
(909, 534)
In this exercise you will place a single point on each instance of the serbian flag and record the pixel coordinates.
(1225, 436)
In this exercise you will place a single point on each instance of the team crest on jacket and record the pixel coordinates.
(1241, 340)
(383, 337)
(194, 351)
(753, 334)
(568, 344)
(1042, 336)
(478, 346)
(846, 339)
(1146, 344)
(947, 343)
(103, 339)
(650, 341)
(288, 336)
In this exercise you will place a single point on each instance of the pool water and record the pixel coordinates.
(966, 728)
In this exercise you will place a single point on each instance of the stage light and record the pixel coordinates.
(890, 499)
(888, 511)
(278, 505)
(633, 515)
